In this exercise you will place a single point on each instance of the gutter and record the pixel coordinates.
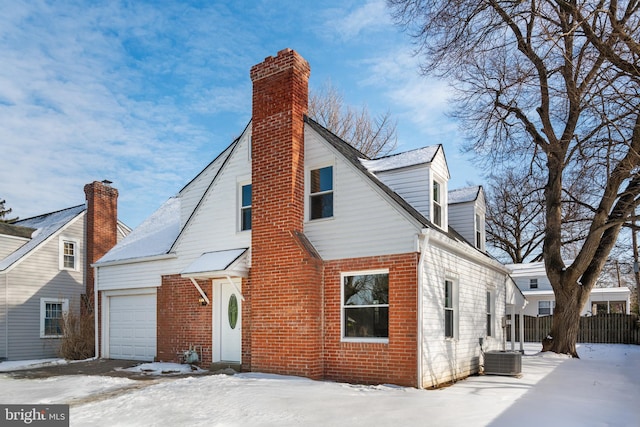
(424, 239)
(96, 314)
(135, 260)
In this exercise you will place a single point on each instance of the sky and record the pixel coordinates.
(145, 94)
(599, 389)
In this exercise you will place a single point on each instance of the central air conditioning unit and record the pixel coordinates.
(502, 363)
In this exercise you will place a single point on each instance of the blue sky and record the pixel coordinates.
(146, 94)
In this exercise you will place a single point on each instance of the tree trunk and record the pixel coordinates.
(570, 298)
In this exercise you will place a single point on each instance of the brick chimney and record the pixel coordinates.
(101, 227)
(286, 276)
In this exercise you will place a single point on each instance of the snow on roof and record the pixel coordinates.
(462, 195)
(401, 160)
(153, 237)
(45, 225)
(212, 262)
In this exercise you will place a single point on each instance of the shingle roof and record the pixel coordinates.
(463, 195)
(16, 230)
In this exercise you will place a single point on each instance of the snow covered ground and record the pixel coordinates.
(600, 389)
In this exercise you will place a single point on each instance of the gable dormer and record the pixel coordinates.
(467, 213)
(421, 177)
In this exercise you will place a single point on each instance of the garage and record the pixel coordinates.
(132, 327)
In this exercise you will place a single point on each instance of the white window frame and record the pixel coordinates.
(552, 306)
(454, 308)
(491, 313)
(76, 255)
(437, 203)
(309, 194)
(343, 338)
(43, 312)
(241, 207)
(479, 232)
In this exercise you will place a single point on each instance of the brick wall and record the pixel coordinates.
(285, 282)
(181, 320)
(374, 363)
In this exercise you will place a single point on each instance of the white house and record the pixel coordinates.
(532, 280)
(293, 253)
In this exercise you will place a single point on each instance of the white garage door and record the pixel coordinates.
(132, 327)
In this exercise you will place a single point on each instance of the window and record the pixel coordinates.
(245, 207)
(365, 305)
(321, 193)
(437, 204)
(489, 314)
(69, 255)
(450, 309)
(52, 313)
(533, 283)
(479, 231)
(545, 308)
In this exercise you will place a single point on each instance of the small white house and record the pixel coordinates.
(532, 280)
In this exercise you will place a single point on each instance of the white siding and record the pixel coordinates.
(135, 275)
(214, 226)
(446, 359)
(9, 244)
(38, 276)
(412, 184)
(462, 218)
(364, 223)
(193, 192)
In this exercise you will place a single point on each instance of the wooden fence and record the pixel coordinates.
(603, 328)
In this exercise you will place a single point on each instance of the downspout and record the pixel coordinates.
(423, 239)
(6, 311)
(96, 312)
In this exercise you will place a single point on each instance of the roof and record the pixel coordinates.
(16, 230)
(153, 237)
(464, 195)
(419, 156)
(45, 226)
(216, 264)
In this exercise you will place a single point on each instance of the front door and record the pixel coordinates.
(230, 321)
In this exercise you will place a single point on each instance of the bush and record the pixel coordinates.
(78, 341)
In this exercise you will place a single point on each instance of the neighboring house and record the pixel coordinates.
(532, 280)
(44, 270)
(293, 253)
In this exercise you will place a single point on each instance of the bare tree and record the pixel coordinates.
(4, 212)
(555, 81)
(515, 222)
(373, 137)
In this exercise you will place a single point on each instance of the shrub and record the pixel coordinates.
(78, 341)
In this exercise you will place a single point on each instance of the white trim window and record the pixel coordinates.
(479, 232)
(321, 193)
(450, 309)
(52, 315)
(545, 308)
(436, 200)
(69, 254)
(490, 313)
(365, 306)
(245, 207)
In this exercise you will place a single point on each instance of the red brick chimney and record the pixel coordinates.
(286, 277)
(101, 226)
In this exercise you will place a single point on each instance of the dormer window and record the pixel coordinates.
(533, 283)
(479, 239)
(436, 217)
(321, 193)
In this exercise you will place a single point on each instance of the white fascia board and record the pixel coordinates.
(171, 255)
